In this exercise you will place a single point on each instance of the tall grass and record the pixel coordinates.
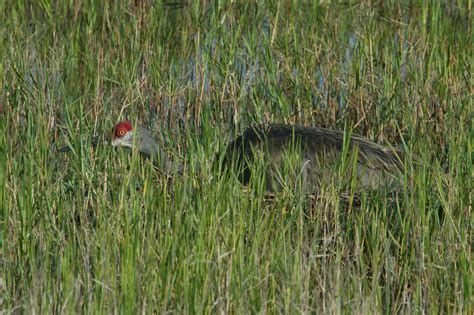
(98, 230)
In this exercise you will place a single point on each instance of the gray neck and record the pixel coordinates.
(149, 147)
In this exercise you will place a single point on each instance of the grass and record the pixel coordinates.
(97, 230)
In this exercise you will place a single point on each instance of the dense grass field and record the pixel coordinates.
(99, 230)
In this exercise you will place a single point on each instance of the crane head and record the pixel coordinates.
(125, 135)
(122, 134)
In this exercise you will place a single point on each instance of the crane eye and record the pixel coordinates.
(121, 133)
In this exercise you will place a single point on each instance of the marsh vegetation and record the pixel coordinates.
(98, 230)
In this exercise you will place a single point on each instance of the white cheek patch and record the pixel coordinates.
(117, 142)
(125, 141)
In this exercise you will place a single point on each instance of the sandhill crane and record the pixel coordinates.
(314, 152)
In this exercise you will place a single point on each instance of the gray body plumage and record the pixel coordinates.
(311, 156)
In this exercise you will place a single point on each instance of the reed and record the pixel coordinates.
(97, 230)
